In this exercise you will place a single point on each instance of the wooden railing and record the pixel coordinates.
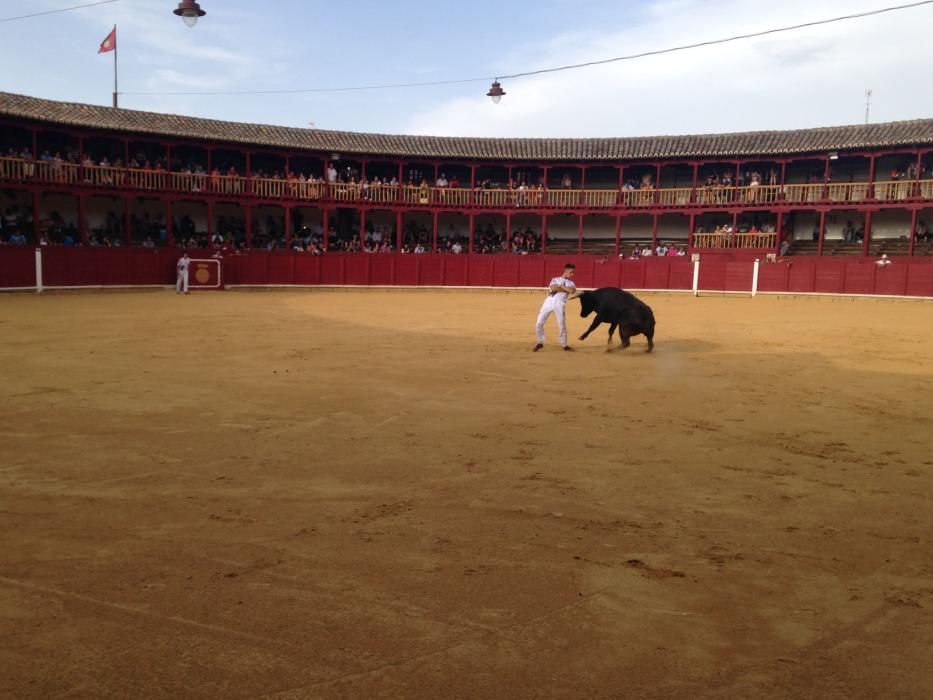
(734, 240)
(19, 170)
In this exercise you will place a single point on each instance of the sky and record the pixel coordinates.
(807, 78)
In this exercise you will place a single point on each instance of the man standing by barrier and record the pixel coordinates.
(181, 281)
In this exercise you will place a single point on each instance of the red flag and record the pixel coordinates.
(110, 43)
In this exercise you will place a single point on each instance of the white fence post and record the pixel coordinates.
(755, 277)
(38, 270)
(696, 277)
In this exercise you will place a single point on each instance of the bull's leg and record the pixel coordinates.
(612, 329)
(593, 325)
(650, 336)
(624, 338)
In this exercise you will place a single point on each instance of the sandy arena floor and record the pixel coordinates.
(383, 495)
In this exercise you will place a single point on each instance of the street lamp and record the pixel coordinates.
(189, 11)
(495, 92)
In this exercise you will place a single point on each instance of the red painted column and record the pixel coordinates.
(82, 219)
(127, 234)
(735, 225)
(691, 227)
(871, 177)
(654, 234)
(210, 221)
(248, 224)
(398, 230)
(579, 234)
(36, 216)
(325, 233)
(543, 234)
(819, 245)
(867, 241)
(779, 235)
(288, 228)
(618, 247)
(582, 187)
(472, 227)
(169, 224)
(824, 193)
(693, 189)
(434, 217)
(913, 231)
(362, 228)
(401, 182)
(916, 183)
(35, 145)
(508, 233)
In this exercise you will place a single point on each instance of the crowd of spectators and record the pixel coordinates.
(662, 250)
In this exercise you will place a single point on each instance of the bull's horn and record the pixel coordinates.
(576, 294)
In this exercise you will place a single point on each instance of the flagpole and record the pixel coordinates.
(115, 48)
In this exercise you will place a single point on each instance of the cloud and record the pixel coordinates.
(812, 77)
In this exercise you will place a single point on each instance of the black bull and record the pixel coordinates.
(619, 309)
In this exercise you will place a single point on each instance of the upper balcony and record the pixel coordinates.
(298, 191)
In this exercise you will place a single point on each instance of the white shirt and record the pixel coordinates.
(331, 174)
(561, 297)
(183, 264)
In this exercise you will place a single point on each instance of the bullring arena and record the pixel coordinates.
(386, 494)
(336, 469)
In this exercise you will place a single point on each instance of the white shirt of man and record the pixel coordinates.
(331, 174)
(181, 283)
(555, 303)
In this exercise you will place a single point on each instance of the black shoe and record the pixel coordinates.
(538, 347)
(567, 348)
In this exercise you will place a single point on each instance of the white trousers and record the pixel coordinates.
(181, 285)
(559, 309)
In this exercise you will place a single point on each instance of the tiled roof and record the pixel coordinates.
(748, 144)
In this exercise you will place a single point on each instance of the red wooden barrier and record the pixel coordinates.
(712, 276)
(86, 266)
(738, 276)
(858, 278)
(17, 266)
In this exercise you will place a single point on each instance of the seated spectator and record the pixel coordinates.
(18, 238)
(884, 261)
(148, 243)
(923, 233)
(419, 249)
(785, 246)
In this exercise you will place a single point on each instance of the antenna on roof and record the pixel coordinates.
(867, 104)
